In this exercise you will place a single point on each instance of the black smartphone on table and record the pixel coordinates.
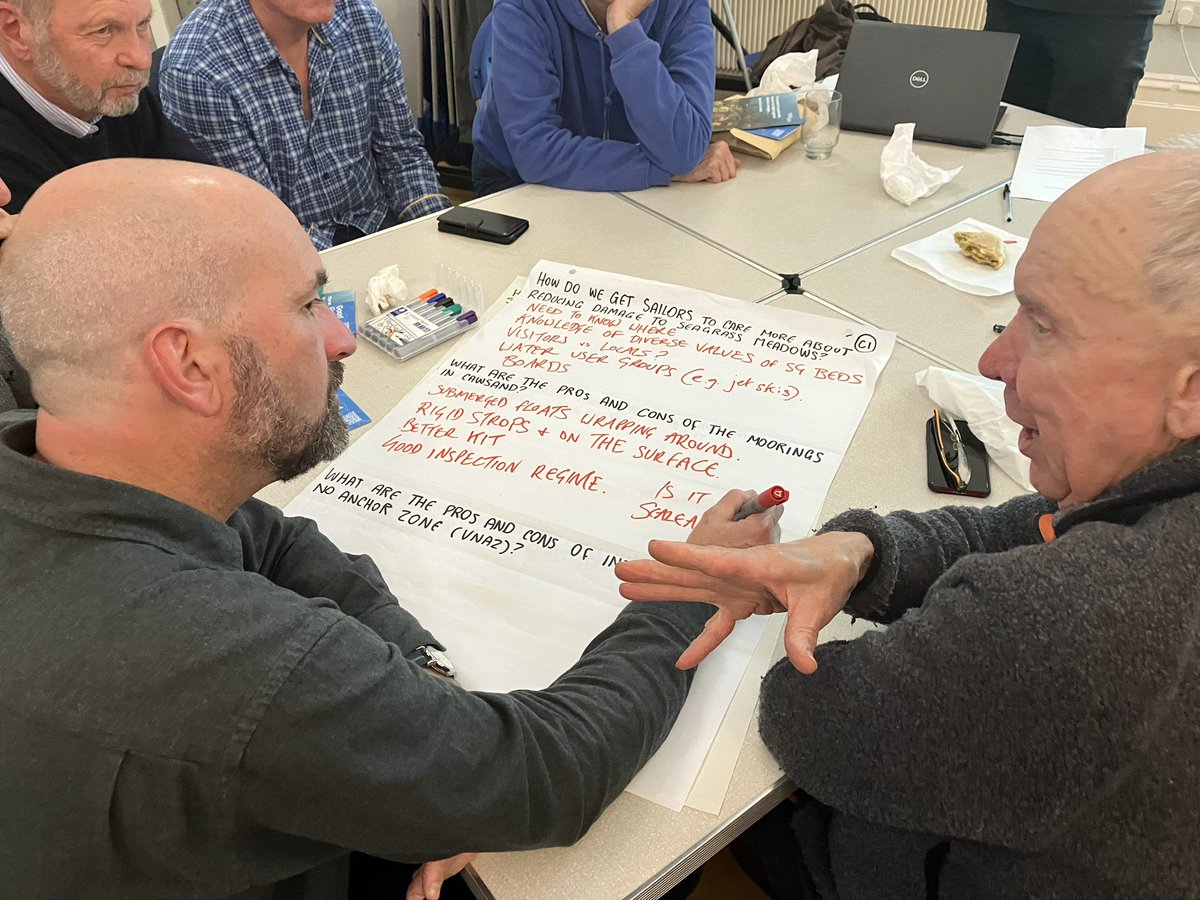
(482, 224)
(947, 443)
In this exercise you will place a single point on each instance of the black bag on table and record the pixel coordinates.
(827, 31)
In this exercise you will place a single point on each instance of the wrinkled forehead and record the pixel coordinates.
(72, 13)
(1093, 242)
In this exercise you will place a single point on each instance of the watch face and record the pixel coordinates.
(438, 661)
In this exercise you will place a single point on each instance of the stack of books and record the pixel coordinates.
(762, 126)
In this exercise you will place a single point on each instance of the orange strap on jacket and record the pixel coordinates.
(1046, 526)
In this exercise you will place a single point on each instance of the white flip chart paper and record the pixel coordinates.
(592, 413)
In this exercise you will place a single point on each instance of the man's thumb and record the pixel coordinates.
(800, 642)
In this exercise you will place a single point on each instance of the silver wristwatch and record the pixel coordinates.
(435, 660)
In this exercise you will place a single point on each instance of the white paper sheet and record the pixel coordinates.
(938, 255)
(1054, 158)
(712, 784)
(590, 414)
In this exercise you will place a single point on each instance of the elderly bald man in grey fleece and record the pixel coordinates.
(1029, 724)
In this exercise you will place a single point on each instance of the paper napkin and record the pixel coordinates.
(939, 256)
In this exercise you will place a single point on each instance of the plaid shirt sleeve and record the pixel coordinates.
(213, 122)
(405, 168)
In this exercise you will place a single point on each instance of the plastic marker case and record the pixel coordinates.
(418, 325)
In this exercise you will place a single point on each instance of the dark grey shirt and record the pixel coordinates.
(1034, 707)
(1095, 7)
(15, 392)
(193, 708)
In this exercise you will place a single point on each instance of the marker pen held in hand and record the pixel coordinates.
(772, 496)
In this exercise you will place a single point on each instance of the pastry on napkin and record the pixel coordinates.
(982, 247)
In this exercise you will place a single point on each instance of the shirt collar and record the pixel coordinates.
(74, 503)
(55, 115)
(261, 50)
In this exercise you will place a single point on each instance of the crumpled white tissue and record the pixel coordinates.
(788, 72)
(386, 289)
(979, 402)
(906, 177)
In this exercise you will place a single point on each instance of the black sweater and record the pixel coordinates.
(32, 151)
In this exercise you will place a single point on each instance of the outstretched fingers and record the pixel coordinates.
(716, 629)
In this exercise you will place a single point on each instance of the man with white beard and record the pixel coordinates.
(72, 90)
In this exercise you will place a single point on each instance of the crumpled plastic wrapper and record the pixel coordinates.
(386, 289)
(906, 177)
(788, 72)
(979, 402)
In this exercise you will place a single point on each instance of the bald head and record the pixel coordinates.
(106, 251)
(1101, 364)
(1137, 224)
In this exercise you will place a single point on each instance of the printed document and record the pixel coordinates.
(1055, 158)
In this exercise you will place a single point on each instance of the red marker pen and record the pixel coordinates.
(772, 496)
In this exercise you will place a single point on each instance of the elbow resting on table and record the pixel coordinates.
(687, 152)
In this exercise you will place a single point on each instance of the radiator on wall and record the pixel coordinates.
(760, 20)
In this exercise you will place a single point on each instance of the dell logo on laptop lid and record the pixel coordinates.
(919, 78)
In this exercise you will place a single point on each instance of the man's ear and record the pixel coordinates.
(189, 364)
(1183, 413)
(16, 32)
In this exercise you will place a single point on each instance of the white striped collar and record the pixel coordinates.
(55, 115)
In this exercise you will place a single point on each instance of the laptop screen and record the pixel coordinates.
(948, 81)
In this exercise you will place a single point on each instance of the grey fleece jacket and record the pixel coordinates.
(194, 709)
(1033, 711)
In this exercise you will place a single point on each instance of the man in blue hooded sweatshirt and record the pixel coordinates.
(601, 95)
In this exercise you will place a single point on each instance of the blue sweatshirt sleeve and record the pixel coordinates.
(668, 91)
(526, 90)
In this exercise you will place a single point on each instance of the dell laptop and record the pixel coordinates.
(948, 81)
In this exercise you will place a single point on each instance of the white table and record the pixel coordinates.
(792, 214)
(599, 231)
(948, 324)
(637, 849)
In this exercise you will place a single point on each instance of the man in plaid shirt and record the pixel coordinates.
(306, 97)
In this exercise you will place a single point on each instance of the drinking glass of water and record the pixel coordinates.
(822, 126)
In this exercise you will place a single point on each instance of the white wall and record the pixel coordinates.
(404, 20)
(1166, 50)
(1168, 99)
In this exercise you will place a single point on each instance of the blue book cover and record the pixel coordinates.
(765, 111)
(352, 413)
(342, 304)
(778, 133)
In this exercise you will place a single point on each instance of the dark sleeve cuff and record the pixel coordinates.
(871, 599)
